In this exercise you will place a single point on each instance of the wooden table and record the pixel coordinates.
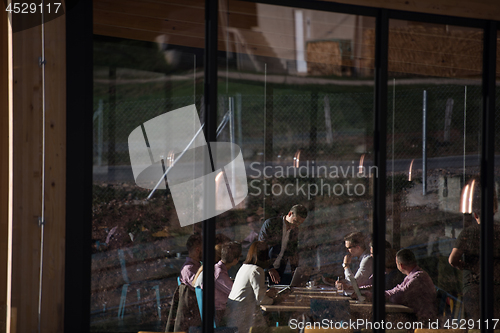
(300, 300)
(298, 304)
(289, 306)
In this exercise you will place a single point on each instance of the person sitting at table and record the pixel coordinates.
(192, 263)
(355, 244)
(198, 278)
(417, 290)
(230, 255)
(184, 308)
(393, 276)
(249, 291)
(219, 240)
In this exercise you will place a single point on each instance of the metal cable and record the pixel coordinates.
(42, 217)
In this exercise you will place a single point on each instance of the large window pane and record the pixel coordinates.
(296, 95)
(148, 61)
(433, 145)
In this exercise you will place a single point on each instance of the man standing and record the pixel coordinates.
(281, 235)
(355, 244)
(466, 255)
(417, 290)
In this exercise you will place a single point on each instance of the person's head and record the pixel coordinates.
(221, 238)
(230, 254)
(405, 261)
(471, 198)
(253, 221)
(218, 252)
(387, 246)
(257, 254)
(355, 243)
(194, 247)
(390, 259)
(297, 215)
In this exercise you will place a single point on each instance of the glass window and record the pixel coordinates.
(296, 96)
(148, 62)
(292, 165)
(433, 160)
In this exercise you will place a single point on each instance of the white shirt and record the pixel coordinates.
(364, 271)
(199, 281)
(248, 292)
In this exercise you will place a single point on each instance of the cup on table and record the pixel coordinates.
(310, 284)
(340, 289)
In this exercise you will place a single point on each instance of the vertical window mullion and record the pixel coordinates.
(487, 167)
(79, 85)
(210, 96)
(380, 144)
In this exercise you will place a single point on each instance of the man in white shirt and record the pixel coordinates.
(355, 244)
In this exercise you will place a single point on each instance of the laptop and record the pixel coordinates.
(299, 278)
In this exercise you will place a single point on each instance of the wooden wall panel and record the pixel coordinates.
(27, 177)
(478, 9)
(144, 35)
(55, 178)
(132, 21)
(26, 195)
(193, 12)
(4, 166)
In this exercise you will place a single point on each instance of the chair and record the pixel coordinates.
(199, 298)
(449, 306)
(123, 297)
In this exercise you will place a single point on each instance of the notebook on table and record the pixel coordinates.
(354, 285)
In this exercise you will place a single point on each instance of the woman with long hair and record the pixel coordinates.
(249, 290)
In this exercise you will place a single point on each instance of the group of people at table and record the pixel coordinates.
(237, 303)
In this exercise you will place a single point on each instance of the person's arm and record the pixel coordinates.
(267, 235)
(264, 234)
(293, 247)
(223, 283)
(455, 258)
(395, 295)
(347, 268)
(365, 271)
(259, 287)
(368, 284)
(187, 274)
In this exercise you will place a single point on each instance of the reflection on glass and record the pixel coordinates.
(434, 127)
(148, 61)
(296, 94)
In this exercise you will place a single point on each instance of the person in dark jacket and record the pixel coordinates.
(281, 235)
